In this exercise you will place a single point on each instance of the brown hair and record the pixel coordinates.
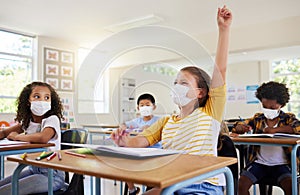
(203, 81)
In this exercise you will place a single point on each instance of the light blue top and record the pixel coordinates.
(139, 122)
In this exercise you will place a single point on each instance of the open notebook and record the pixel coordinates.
(135, 152)
(5, 142)
(124, 151)
(278, 135)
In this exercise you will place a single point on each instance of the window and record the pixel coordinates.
(16, 60)
(99, 103)
(288, 72)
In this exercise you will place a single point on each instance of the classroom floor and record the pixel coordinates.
(109, 187)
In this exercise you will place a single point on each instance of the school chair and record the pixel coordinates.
(74, 136)
(226, 148)
(76, 186)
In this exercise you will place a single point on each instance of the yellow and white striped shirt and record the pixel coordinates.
(196, 134)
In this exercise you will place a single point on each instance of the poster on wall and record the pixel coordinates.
(250, 94)
(240, 94)
(68, 113)
(231, 96)
(59, 69)
(236, 94)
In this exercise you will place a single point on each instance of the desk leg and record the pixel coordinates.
(50, 181)
(121, 187)
(92, 184)
(15, 179)
(225, 170)
(90, 138)
(294, 170)
(98, 186)
(2, 167)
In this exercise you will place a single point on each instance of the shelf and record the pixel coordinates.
(127, 99)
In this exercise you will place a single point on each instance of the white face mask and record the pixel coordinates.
(146, 110)
(39, 108)
(179, 93)
(270, 113)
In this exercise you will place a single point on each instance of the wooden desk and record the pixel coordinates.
(102, 129)
(99, 126)
(288, 142)
(169, 172)
(19, 149)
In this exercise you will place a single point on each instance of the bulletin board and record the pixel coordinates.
(243, 94)
(59, 69)
(59, 72)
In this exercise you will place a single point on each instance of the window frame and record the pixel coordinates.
(288, 107)
(30, 59)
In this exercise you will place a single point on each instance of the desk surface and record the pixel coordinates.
(160, 171)
(100, 131)
(283, 140)
(24, 146)
(99, 126)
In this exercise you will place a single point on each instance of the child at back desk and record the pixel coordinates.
(145, 105)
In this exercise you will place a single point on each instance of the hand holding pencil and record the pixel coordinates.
(242, 127)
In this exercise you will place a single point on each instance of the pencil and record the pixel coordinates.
(23, 156)
(43, 153)
(75, 154)
(51, 156)
(59, 155)
(44, 156)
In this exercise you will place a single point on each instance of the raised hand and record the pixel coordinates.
(224, 17)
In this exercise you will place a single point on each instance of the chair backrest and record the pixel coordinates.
(227, 148)
(74, 136)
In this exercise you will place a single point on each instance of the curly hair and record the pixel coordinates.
(273, 91)
(23, 106)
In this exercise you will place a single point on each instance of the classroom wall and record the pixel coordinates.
(239, 76)
(247, 38)
(155, 83)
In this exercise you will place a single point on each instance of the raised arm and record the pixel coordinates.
(224, 18)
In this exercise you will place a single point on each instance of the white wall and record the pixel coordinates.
(156, 84)
(239, 76)
(146, 82)
(247, 38)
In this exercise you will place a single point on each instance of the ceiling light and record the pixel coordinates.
(142, 21)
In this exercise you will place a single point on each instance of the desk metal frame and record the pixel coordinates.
(166, 191)
(294, 144)
(19, 149)
(12, 152)
(168, 186)
(100, 131)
